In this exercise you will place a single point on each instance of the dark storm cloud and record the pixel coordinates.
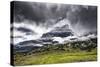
(85, 16)
(22, 10)
(88, 17)
(38, 11)
(49, 14)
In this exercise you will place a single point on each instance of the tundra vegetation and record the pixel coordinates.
(78, 51)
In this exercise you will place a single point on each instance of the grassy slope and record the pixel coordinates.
(55, 56)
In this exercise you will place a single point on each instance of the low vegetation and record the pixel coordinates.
(61, 53)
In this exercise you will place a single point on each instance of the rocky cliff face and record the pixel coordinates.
(62, 31)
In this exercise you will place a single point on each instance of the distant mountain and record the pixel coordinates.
(29, 42)
(90, 33)
(62, 34)
(62, 31)
(27, 45)
(25, 48)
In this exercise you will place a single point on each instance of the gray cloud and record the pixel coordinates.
(82, 17)
(38, 11)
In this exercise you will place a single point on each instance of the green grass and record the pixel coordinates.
(61, 53)
(55, 56)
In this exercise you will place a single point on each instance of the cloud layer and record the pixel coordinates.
(40, 18)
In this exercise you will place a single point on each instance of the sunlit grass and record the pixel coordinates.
(61, 53)
(55, 56)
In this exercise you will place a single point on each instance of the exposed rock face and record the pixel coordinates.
(57, 35)
(63, 31)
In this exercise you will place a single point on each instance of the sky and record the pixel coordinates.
(32, 18)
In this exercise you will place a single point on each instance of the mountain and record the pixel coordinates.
(29, 42)
(29, 45)
(26, 46)
(58, 35)
(62, 31)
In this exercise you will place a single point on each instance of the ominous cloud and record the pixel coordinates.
(86, 17)
(81, 17)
